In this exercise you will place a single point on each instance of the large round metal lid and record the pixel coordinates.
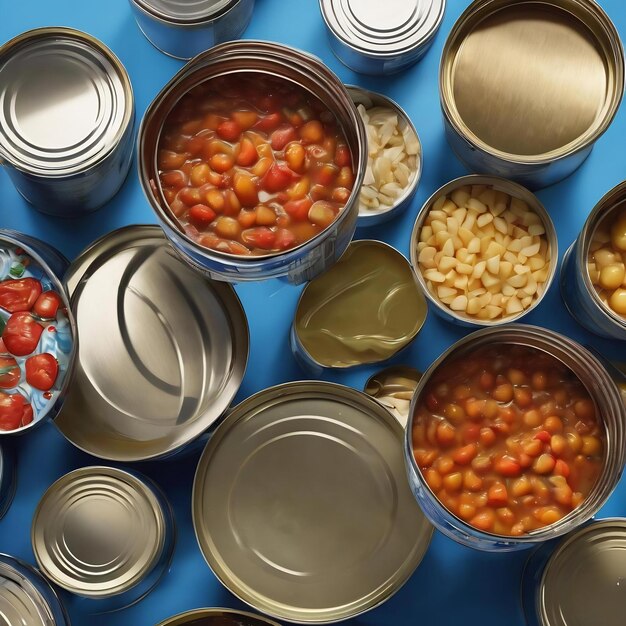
(381, 28)
(97, 531)
(301, 505)
(186, 11)
(584, 582)
(162, 349)
(530, 79)
(65, 101)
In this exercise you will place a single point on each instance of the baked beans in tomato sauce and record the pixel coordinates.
(252, 164)
(507, 438)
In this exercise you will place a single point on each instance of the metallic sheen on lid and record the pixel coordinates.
(584, 582)
(162, 350)
(217, 617)
(98, 531)
(301, 505)
(186, 11)
(65, 101)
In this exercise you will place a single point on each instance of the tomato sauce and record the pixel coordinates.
(251, 165)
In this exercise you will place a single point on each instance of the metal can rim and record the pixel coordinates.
(181, 618)
(200, 20)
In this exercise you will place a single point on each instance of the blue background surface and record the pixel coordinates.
(453, 585)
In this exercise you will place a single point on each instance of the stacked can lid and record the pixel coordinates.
(182, 11)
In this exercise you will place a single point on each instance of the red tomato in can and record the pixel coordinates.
(19, 294)
(21, 334)
(9, 372)
(47, 305)
(42, 371)
(15, 411)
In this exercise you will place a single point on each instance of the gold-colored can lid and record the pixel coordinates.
(217, 617)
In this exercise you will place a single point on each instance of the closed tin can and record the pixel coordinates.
(610, 408)
(527, 86)
(8, 479)
(365, 309)
(174, 347)
(298, 264)
(335, 509)
(184, 29)
(578, 580)
(579, 294)
(31, 294)
(217, 617)
(104, 534)
(26, 598)
(376, 38)
(66, 133)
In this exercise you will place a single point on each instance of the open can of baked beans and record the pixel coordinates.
(182, 29)
(26, 597)
(531, 111)
(105, 535)
(66, 133)
(593, 273)
(578, 580)
(7, 478)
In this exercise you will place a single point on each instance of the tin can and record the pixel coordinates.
(609, 406)
(26, 597)
(335, 508)
(217, 617)
(66, 133)
(8, 480)
(175, 346)
(531, 111)
(365, 309)
(105, 535)
(394, 387)
(31, 291)
(578, 580)
(514, 190)
(184, 29)
(298, 264)
(578, 293)
(373, 217)
(375, 38)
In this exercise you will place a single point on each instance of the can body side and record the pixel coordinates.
(8, 478)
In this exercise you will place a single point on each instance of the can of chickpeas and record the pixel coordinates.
(531, 111)
(593, 275)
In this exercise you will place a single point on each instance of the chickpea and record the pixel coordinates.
(611, 276)
(618, 301)
(618, 232)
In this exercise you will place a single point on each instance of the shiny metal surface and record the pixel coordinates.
(364, 309)
(301, 505)
(7, 478)
(376, 37)
(162, 350)
(217, 617)
(185, 10)
(67, 112)
(299, 264)
(394, 387)
(512, 189)
(525, 83)
(26, 598)
(104, 534)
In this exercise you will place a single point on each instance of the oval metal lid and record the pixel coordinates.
(383, 28)
(186, 11)
(584, 582)
(65, 101)
(162, 350)
(531, 80)
(301, 505)
(97, 531)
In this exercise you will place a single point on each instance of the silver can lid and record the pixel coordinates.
(185, 11)
(65, 101)
(584, 582)
(383, 27)
(98, 531)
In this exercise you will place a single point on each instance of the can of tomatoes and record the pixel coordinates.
(516, 436)
(26, 597)
(579, 579)
(289, 207)
(528, 111)
(38, 333)
(593, 274)
(372, 38)
(217, 617)
(66, 133)
(8, 480)
(183, 29)
(105, 535)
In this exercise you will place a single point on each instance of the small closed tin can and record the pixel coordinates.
(580, 295)
(217, 617)
(106, 535)
(381, 38)
(66, 128)
(334, 510)
(26, 598)
(527, 87)
(579, 580)
(183, 29)
(7, 478)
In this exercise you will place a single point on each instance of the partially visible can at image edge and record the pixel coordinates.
(7, 478)
(217, 617)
